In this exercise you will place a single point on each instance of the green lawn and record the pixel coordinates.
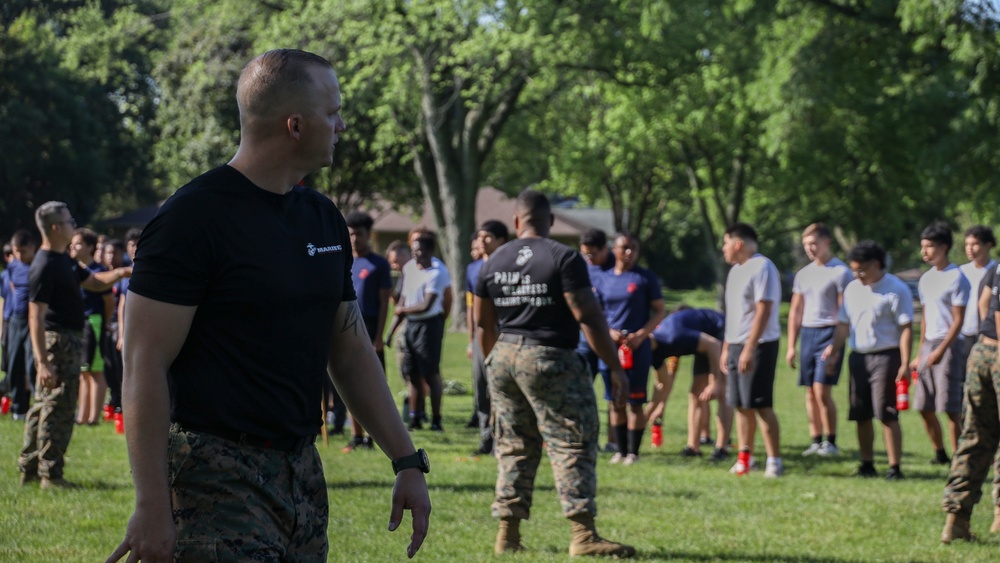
(668, 507)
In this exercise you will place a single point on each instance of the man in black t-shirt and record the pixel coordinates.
(244, 344)
(538, 292)
(55, 322)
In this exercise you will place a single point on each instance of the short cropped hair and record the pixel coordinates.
(867, 251)
(89, 237)
(270, 81)
(818, 229)
(982, 233)
(133, 235)
(23, 237)
(594, 237)
(536, 209)
(938, 232)
(495, 228)
(427, 242)
(117, 244)
(360, 220)
(397, 246)
(48, 214)
(742, 231)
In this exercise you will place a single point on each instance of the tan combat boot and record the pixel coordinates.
(508, 536)
(956, 527)
(587, 542)
(995, 528)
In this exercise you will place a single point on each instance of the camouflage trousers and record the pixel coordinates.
(977, 445)
(233, 502)
(49, 423)
(542, 395)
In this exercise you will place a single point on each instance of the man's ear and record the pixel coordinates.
(293, 124)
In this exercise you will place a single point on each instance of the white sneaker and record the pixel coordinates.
(738, 466)
(774, 470)
(630, 459)
(617, 458)
(813, 449)
(828, 449)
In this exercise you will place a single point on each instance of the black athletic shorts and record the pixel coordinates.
(422, 354)
(753, 390)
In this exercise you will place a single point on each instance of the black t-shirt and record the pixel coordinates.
(526, 279)
(267, 273)
(54, 279)
(988, 325)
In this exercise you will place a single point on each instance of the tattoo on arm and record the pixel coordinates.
(352, 318)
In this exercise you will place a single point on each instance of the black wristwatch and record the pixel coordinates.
(418, 460)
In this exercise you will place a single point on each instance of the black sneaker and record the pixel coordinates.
(367, 443)
(941, 459)
(866, 470)
(894, 474)
(436, 427)
(707, 441)
(719, 454)
(688, 451)
(415, 424)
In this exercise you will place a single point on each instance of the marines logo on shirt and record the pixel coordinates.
(523, 255)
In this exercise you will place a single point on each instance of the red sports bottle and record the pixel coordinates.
(657, 434)
(903, 395)
(5, 405)
(915, 375)
(743, 457)
(119, 423)
(625, 353)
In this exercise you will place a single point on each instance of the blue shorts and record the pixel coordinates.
(812, 369)
(638, 376)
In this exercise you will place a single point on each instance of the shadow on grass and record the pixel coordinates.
(665, 555)
(381, 485)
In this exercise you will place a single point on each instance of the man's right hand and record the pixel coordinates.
(47, 377)
(791, 356)
(150, 537)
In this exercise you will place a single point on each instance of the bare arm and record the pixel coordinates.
(486, 319)
(102, 281)
(984, 302)
(794, 324)
(470, 321)
(155, 331)
(836, 348)
(658, 312)
(449, 296)
(121, 324)
(360, 381)
(763, 311)
(586, 310)
(712, 349)
(36, 326)
(108, 301)
(958, 314)
(905, 349)
(423, 306)
(383, 313)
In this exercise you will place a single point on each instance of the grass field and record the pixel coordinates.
(669, 507)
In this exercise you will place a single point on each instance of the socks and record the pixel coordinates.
(621, 436)
(832, 438)
(818, 439)
(635, 440)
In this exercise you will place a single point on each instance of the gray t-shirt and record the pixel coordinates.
(876, 313)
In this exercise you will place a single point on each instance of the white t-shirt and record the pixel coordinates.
(876, 312)
(820, 285)
(444, 270)
(419, 285)
(748, 283)
(970, 327)
(940, 290)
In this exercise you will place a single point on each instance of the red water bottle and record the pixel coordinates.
(5, 405)
(915, 375)
(742, 462)
(657, 435)
(903, 395)
(119, 423)
(625, 353)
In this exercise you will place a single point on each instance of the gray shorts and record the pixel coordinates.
(939, 387)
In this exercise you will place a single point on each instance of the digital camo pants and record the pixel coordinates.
(977, 445)
(542, 395)
(49, 424)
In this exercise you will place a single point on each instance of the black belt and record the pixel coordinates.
(529, 341)
(287, 445)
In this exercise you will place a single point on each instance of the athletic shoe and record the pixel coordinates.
(688, 451)
(436, 427)
(941, 459)
(630, 459)
(414, 424)
(739, 469)
(894, 474)
(718, 454)
(356, 442)
(617, 458)
(827, 449)
(610, 448)
(813, 449)
(774, 470)
(866, 470)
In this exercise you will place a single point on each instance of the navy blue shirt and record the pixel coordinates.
(627, 297)
(678, 334)
(595, 273)
(472, 275)
(93, 302)
(6, 293)
(20, 280)
(370, 273)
